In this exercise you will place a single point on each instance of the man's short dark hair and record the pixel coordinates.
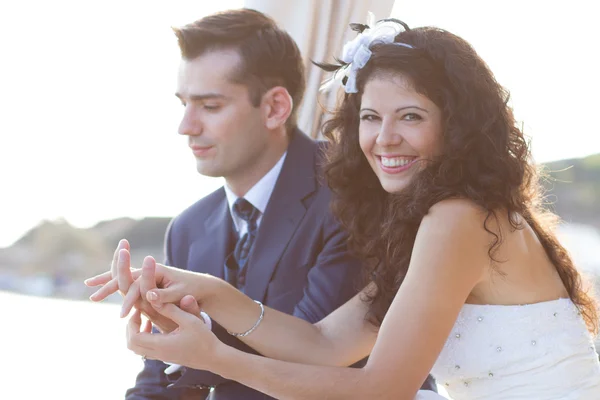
(270, 57)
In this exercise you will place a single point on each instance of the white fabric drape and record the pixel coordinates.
(320, 27)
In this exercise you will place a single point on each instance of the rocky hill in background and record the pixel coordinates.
(54, 257)
(573, 189)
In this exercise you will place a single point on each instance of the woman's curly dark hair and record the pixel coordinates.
(485, 158)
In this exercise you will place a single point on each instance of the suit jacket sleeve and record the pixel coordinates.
(333, 280)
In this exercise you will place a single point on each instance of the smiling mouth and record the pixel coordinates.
(394, 165)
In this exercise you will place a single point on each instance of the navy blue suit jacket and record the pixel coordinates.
(299, 263)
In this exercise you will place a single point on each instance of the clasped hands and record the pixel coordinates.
(169, 298)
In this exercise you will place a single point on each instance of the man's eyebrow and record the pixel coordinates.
(200, 97)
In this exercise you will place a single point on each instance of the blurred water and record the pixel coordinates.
(59, 349)
(583, 242)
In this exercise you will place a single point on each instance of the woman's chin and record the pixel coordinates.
(394, 185)
(394, 188)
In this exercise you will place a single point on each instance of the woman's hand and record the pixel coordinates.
(158, 284)
(191, 344)
(134, 291)
(154, 282)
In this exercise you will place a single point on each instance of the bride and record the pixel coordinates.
(433, 180)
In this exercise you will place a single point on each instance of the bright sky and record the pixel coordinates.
(88, 129)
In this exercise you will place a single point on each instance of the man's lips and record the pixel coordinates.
(200, 150)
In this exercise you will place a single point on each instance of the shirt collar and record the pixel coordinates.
(260, 193)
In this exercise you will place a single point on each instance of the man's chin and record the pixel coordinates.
(206, 170)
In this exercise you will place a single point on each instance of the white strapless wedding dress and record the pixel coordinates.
(539, 351)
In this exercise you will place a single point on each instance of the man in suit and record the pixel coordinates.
(241, 81)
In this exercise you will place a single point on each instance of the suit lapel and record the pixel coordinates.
(207, 254)
(283, 214)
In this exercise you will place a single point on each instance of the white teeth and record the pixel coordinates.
(395, 161)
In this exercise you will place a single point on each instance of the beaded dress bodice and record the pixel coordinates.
(536, 351)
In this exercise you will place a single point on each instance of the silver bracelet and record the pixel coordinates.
(249, 331)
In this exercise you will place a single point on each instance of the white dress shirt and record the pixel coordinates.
(258, 196)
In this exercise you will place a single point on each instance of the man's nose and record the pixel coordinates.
(190, 124)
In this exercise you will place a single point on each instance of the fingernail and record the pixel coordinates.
(152, 296)
(122, 315)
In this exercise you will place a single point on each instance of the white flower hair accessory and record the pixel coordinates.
(356, 53)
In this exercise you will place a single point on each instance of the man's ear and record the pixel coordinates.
(277, 105)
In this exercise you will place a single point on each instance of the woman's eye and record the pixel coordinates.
(412, 117)
(369, 117)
